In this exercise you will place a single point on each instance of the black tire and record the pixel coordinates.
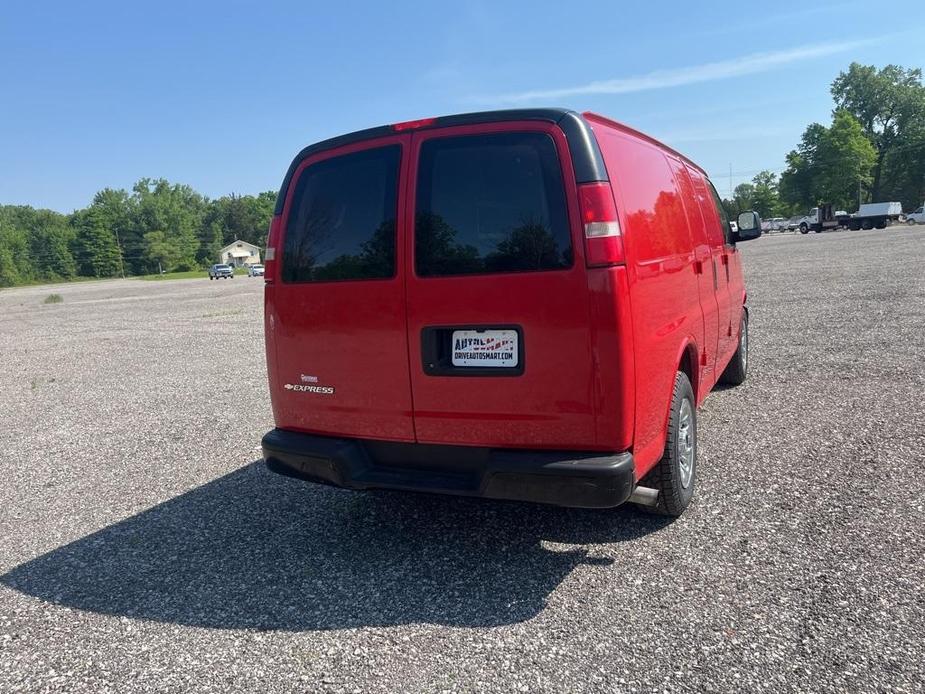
(867, 225)
(669, 474)
(737, 368)
(211, 278)
(804, 229)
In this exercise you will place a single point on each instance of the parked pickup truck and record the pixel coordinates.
(220, 272)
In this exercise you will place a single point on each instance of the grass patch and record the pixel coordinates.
(53, 299)
(185, 275)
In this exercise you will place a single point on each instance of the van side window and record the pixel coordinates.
(721, 211)
(490, 203)
(341, 223)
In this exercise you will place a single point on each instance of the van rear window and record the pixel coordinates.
(342, 220)
(490, 203)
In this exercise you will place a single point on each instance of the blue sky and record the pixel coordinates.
(222, 95)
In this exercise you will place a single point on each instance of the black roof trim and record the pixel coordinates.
(586, 155)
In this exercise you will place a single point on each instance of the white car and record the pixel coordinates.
(917, 217)
(255, 270)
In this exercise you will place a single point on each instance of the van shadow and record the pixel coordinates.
(251, 550)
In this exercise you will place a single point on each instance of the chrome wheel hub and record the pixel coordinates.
(743, 343)
(686, 442)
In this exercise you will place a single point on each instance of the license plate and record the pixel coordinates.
(486, 348)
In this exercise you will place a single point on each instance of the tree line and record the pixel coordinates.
(157, 226)
(872, 151)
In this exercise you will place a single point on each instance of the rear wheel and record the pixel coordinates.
(675, 475)
(737, 369)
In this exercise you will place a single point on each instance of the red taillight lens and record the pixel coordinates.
(603, 237)
(269, 258)
(413, 124)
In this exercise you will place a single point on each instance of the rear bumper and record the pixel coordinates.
(563, 478)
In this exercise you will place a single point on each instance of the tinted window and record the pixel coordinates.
(490, 203)
(342, 221)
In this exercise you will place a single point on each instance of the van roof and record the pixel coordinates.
(586, 155)
(590, 115)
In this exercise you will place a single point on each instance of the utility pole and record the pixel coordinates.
(121, 265)
(859, 193)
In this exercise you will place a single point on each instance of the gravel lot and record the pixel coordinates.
(143, 547)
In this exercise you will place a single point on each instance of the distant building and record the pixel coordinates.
(239, 253)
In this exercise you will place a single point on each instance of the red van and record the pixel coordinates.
(524, 304)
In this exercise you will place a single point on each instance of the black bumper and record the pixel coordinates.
(563, 478)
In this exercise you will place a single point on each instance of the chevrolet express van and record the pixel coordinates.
(524, 304)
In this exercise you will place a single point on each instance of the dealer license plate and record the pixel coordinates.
(486, 348)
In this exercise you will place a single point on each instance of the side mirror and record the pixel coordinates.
(749, 227)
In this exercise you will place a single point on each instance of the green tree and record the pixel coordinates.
(844, 158)
(115, 211)
(742, 196)
(161, 252)
(829, 164)
(16, 265)
(50, 240)
(96, 250)
(766, 197)
(889, 104)
(796, 186)
(760, 195)
(176, 211)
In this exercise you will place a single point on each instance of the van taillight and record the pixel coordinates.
(603, 238)
(269, 258)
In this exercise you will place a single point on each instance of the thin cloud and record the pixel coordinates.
(721, 135)
(708, 72)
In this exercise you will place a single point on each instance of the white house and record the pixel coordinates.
(239, 253)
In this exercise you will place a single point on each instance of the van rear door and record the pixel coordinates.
(335, 300)
(497, 294)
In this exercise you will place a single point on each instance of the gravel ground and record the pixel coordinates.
(143, 547)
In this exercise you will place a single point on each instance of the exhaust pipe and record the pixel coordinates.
(644, 496)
